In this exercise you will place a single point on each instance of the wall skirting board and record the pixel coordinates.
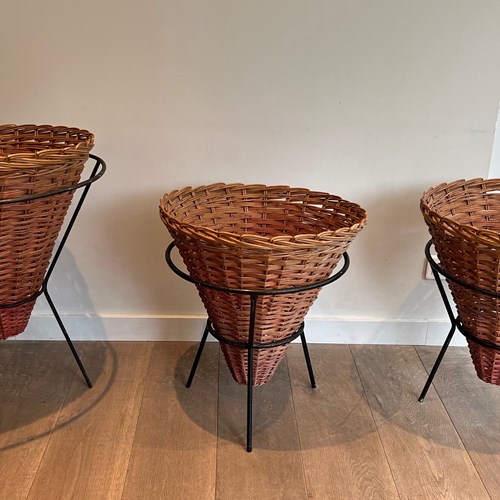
(190, 328)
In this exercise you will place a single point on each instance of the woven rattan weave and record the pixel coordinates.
(34, 159)
(257, 237)
(464, 221)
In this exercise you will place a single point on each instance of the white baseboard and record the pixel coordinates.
(190, 328)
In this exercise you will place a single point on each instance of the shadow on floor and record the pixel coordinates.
(274, 417)
(42, 389)
(337, 412)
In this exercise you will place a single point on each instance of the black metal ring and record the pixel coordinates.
(101, 166)
(245, 345)
(99, 163)
(457, 321)
(456, 280)
(32, 297)
(279, 291)
(473, 338)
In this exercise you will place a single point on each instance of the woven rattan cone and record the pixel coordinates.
(257, 237)
(34, 159)
(464, 221)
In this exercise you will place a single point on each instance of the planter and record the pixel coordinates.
(257, 237)
(33, 160)
(464, 221)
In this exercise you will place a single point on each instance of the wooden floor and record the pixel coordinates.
(140, 434)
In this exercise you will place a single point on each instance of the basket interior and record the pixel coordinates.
(265, 213)
(475, 203)
(30, 139)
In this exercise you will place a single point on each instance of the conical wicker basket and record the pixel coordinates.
(34, 159)
(259, 237)
(464, 221)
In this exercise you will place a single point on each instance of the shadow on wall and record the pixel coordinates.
(394, 234)
(388, 256)
(399, 240)
(140, 280)
(69, 292)
(68, 287)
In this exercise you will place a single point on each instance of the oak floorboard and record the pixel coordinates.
(274, 468)
(342, 453)
(88, 453)
(425, 453)
(34, 382)
(474, 408)
(174, 451)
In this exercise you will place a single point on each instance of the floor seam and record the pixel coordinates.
(452, 423)
(139, 410)
(70, 385)
(375, 423)
(302, 464)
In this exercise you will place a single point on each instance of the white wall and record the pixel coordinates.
(374, 101)
(494, 171)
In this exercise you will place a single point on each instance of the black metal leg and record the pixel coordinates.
(197, 357)
(437, 363)
(453, 321)
(250, 400)
(97, 173)
(68, 340)
(251, 338)
(307, 358)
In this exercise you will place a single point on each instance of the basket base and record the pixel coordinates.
(265, 363)
(486, 362)
(14, 320)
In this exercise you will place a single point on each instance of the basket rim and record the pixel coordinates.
(486, 236)
(82, 145)
(255, 241)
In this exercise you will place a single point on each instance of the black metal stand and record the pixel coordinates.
(456, 323)
(250, 345)
(97, 172)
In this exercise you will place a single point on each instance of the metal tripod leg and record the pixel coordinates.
(307, 358)
(93, 177)
(437, 363)
(443, 350)
(197, 357)
(251, 338)
(250, 347)
(250, 401)
(68, 340)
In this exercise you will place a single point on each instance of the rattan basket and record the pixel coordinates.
(464, 221)
(34, 159)
(258, 237)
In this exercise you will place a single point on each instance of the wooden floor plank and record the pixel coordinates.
(6, 350)
(174, 452)
(88, 453)
(274, 469)
(425, 453)
(35, 380)
(342, 453)
(474, 407)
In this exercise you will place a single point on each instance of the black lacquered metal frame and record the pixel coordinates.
(456, 323)
(250, 345)
(97, 172)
